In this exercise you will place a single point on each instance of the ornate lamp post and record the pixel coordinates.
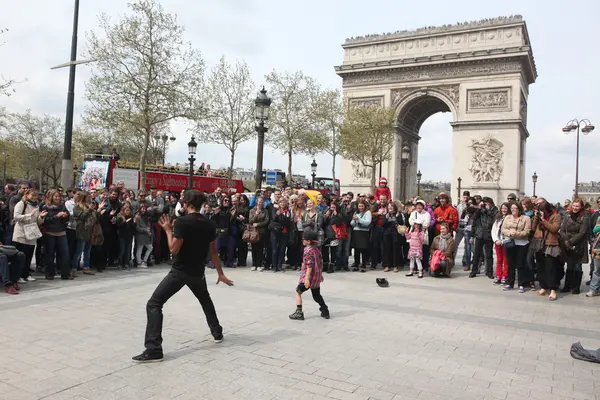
(192, 150)
(586, 127)
(534, 179)
(458, 191)
(261, 113)
(313, 169)
(419, 176)
(75, 172)
(405, 157)
(5, 156)
(164, 139)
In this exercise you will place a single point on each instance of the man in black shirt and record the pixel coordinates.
(190, 242)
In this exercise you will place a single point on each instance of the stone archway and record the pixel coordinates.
(479, 71)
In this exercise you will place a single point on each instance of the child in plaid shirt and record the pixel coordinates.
(311, 275)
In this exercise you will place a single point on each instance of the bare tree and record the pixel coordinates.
(145, 75)
(367, 136)
(5, 84)
(295, 126)
(331, 115)
(229, 117)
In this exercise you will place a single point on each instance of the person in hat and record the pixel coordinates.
(383, 189)
(311, 275)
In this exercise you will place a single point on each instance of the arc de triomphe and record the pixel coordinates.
(479, 71)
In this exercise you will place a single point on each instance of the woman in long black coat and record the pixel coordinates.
(573, 236)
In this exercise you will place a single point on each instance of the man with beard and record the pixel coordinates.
(481, 235)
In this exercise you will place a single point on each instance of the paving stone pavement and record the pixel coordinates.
(424, 339)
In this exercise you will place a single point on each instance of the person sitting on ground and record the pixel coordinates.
(10, 269)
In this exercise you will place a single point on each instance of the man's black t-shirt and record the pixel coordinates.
(197, 232)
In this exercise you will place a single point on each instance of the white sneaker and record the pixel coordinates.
(143, 265)
(21, 280)
(30, 279)
(253, 269)
(591, 293)
(260, 269)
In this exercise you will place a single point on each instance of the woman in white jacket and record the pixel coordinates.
(498, 237)
(361, 226)
(422, 217)
(27, 212)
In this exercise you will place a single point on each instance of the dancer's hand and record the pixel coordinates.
(224, 279)
(165, 222)
(307, 283)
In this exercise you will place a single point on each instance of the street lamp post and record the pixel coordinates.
(75, 171)
(192, 151)
(405, 157)
(458, 190)
(164, 139)
(419, 176)
(586, 127)
(313, 169)
(261, 113)
(5, 156)
(534, 179)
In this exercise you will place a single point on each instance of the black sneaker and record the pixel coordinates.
(147, 357)
(219, 338)
(325, 314)
(297, 315)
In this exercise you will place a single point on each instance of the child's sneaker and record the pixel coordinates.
(496, 281)
(410, 273)
(253, 269)
(297, 315)
(324, 314)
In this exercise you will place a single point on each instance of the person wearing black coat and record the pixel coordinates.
(126, 231)
(347, 210)
(573, 239)
(55, 236)
(481, 233)
(393, 241)
(225, 242)
(280, 226)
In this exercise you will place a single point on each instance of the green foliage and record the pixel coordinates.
(144, 76)
(368, 136)
(295, 125)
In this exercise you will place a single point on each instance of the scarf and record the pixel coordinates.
(443, 243)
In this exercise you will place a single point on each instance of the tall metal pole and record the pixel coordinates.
(191, 176)
(260, 129)
(577, 166)
(67, 163)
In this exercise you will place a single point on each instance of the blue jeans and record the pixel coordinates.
(83, 247)
(62, 255)
(460, 235)
(342, 253)
(279, 242)
(595, 284)
(8, 233)
(11, 269)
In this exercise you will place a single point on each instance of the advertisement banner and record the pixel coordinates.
(94, 174)
(178, 182)
(129, 177)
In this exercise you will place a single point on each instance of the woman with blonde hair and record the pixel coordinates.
(28, 218)
(85, 218)
(55, 236)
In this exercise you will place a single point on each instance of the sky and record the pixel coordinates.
(288, 36)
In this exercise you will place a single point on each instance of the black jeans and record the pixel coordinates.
(242, 251)
(125, 243)
(28, 250)
(171, 284)
(358, 254)
(279, 242)
(258, 251)
(316, 295)
(517, 261)
(60, 245)
(479, 245)
(376, 245)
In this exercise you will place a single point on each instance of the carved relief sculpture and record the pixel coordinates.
(523, 110)
(488, 99)
(486, 162)
(360, 172)
(367, 102)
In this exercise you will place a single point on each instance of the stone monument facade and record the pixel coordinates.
(478, 71)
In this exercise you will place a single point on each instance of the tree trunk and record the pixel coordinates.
(143, 159)
(333, 175)
(373, 175)
(230, 173)
(290, 178)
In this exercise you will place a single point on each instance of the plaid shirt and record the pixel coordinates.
(312, 259)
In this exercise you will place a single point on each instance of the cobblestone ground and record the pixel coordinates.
(429, 338)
